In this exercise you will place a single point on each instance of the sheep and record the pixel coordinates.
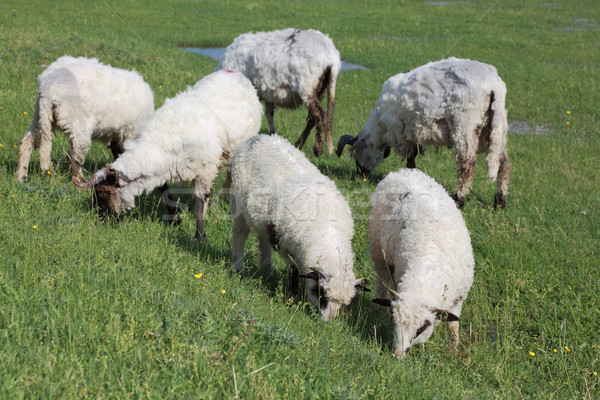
(298, 211)
(86, 100)
(452, 102)
(421, 253)
(188, 139)
(290, 67)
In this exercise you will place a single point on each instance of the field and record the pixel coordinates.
(139, 309)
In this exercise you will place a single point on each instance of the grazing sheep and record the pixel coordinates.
(288, 68)
(86, 100)
(421, 253)
(298, 211)
(187, 140)
(452, 102)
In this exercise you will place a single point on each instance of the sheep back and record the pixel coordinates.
(284, 65)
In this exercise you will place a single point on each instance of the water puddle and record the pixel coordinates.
(217, 53)
(582, 25)
(525, 128)
(446, 3)
(551, 5)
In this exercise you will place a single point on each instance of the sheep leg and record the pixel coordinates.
(500, 198)
(316, 116)
(78, 148)
(172, 217)
(240, 233)
(330, 110)
(453, 328)
(293, 277)
(270, 111)
(116, 148)
(466, 169)
(265, 254)
(25, 149)
(45, 151)
(310, 123)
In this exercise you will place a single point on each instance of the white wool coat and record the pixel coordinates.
(421, 248)
(284, 72)
(87, 101)
(442, 103)
(191, 136)
(276, 190)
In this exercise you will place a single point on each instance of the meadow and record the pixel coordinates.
(139, 309)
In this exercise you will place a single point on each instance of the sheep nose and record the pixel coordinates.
(401, 354)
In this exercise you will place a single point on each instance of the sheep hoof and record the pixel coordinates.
(460, 200)
(272, 133)
(318, 150)
(499, 201)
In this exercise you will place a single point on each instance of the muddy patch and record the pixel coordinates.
(217, 53)
(525, 128)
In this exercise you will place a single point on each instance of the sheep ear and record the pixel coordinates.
(313, 274)
(383, 301)
(386, 151)
(444, 315)
(361, 284)
(94, 179)
(396, 295)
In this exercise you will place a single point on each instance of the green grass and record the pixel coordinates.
(96, 310)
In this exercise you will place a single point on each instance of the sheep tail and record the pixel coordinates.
(497, 127)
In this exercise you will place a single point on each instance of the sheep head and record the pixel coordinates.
(319, 296)
(366, 154)
(413, 323)
(107, 184)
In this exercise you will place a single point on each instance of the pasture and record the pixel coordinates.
(139, 309)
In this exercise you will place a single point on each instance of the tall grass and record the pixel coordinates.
(138, 309)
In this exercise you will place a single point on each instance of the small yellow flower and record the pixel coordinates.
(15, 146)
(49, 172)
(595, 373)
(1, 108)
(567, 348)
(568, 123)
(198, 275)
(556, 351)
(356, 76)
(1, 145)
(532, 354)
(364, 179)
(13, 196)
(34, 227)
(568, 112)
(160, 86)
(223, 291)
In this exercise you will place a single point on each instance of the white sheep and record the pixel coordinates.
(452, 102)
(298, 211)
(188, 139)
(290, 67)
(421, 253)
(86, 100)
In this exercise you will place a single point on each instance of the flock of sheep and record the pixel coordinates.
(419, 242)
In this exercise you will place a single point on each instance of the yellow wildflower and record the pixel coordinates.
(567, 348)
(34, 227)
(568, 112)
(568, 123)
(24, 112)
(49, 172)
(198, 275)
(595, 373)
(223, 291)
(364, 179)
(556, 351)
(532, 354)
(13, 196)
(1, 145)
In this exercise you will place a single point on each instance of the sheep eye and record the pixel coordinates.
(422, 329)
